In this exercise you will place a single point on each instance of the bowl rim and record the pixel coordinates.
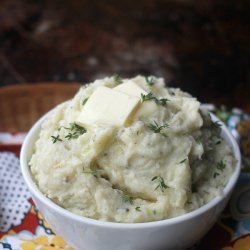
(122, 225)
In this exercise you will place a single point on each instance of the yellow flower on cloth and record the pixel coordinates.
(240, 244)
(45, 243)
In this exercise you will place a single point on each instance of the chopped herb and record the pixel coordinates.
(161, 184)
(182, 161)
(138, 209)
(216, 124)
(76, 131)
(128, 199)
(147, 97)
(84, 101)
(56, 138)
(215, 174)
(154, 212)
(221, 165)
(218, 142)
(150, 96)
(70, 135)
(156, 128)
(117, 78)
(163, 101)
(150, 80)
(199, 140)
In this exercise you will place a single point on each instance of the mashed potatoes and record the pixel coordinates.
(168, 158)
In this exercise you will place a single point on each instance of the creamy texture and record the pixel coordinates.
(130, 173)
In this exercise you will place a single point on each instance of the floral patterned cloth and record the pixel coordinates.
(22, 227)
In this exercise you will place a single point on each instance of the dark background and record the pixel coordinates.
(200, 46)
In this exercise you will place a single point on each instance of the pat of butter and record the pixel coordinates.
(130, 88)
(133, 89)
(108, 106)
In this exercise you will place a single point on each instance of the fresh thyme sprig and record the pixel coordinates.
(156, 128)
(150, 96)
(56, 138)
(75, 131)
(147, 97)
(161, 184)
(128, 199)
(150, 80)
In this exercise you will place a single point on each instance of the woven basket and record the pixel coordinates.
(21, 105)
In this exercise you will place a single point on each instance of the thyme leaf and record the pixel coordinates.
(216, 124)
(75, 131)
(56, 138)
(84, 101)
(156, 128)
(220, 165)
(128, 199)
(215, 174)
(150, 96)
(161, 184)
(182, 161)
(150, 80)
(147, 97)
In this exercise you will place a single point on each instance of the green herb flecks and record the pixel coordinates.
(161, 184)
(162, 101)
(117, 78)
(157, 129)
(216, 174)
(218, 142)
(183, 161)
(84, 101)
(150, 80)
(151, 97)
(128, 199)
(147, 97)
(221, 165)
(216, 124)
(75, 131)
(138, 209)
(56, 138)
(199, 140)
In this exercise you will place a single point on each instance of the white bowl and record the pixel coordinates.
(88, 234)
